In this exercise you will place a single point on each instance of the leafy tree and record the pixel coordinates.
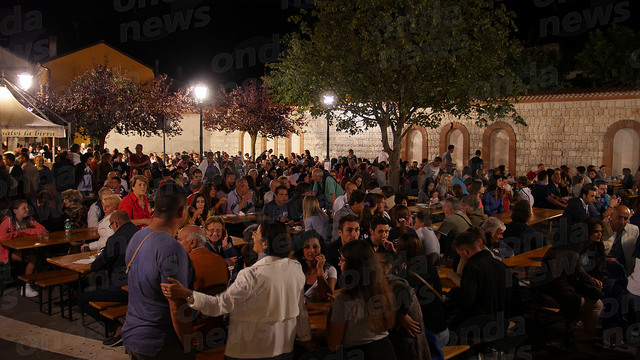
(611, 57)
(102, 100)
(393, 64)
(250, 109)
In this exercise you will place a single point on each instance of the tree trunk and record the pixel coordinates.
(102, 138)
(394, 164)
(394, 149)
(254, 137)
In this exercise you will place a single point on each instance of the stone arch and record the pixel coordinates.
(289, 146)
(261, 143)
(405, 143)
(444, 133)
(486, 144)
(241, 142)
(609, 136)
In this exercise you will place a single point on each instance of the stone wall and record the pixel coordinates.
(570, 129)
(188, 140)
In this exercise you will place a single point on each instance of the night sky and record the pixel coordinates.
(227, 42)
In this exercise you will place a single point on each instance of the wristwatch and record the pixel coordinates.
(190, 300)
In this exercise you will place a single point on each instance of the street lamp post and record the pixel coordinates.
(328, 100)
(200, 92)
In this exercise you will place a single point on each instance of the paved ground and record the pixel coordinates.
(25, 333)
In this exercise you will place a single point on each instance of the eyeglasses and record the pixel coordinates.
(111, 225)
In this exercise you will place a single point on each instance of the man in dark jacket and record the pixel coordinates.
(483, 295)
(112, 261)
(577, 209)
(16, 173)
(64, 173)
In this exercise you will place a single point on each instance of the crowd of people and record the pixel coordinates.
(162, 231)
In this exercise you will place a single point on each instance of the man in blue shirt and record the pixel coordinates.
(447, 159)
(153, 328)
(240, 199)
(601, 207)
(277, 208)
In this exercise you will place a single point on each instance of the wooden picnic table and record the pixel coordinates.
(528, 259)
(538, 215)
(430, 209)
(238, 241)
(240, 219)
(50, 239)
(69, 261)
(451, 351)
(318, 312)
(447, 284)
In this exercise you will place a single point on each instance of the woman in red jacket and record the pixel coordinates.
(136, 203)
(19, 223)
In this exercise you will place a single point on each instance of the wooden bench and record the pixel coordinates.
(32, 278)
(50, 283)
(115, 312)
(103, 305)
(452, 351)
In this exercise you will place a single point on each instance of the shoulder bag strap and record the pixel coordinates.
(465, 220)
(427, 284)
(138, 249)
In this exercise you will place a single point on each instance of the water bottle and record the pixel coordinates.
(67, 227)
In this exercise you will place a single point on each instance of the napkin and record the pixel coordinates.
(84, 261)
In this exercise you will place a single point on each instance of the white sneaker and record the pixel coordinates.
(29, 291)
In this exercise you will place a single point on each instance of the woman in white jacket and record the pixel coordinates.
(109, 205)
(265, 304)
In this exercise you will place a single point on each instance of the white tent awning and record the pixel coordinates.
(17, 121)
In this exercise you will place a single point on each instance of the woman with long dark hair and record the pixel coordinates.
(257, 199)
(423, 277)
(368, 212)
(492, 199)
(401, 223)
(320, 276)
(198, 211)
(425, 193)
(359, 181)
(593, 256)
(353, 323)
(18, 223)
(208, 190)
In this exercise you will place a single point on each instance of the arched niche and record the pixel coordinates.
(621, 146)
(415, 145)
(498, 138)
(455, 134)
